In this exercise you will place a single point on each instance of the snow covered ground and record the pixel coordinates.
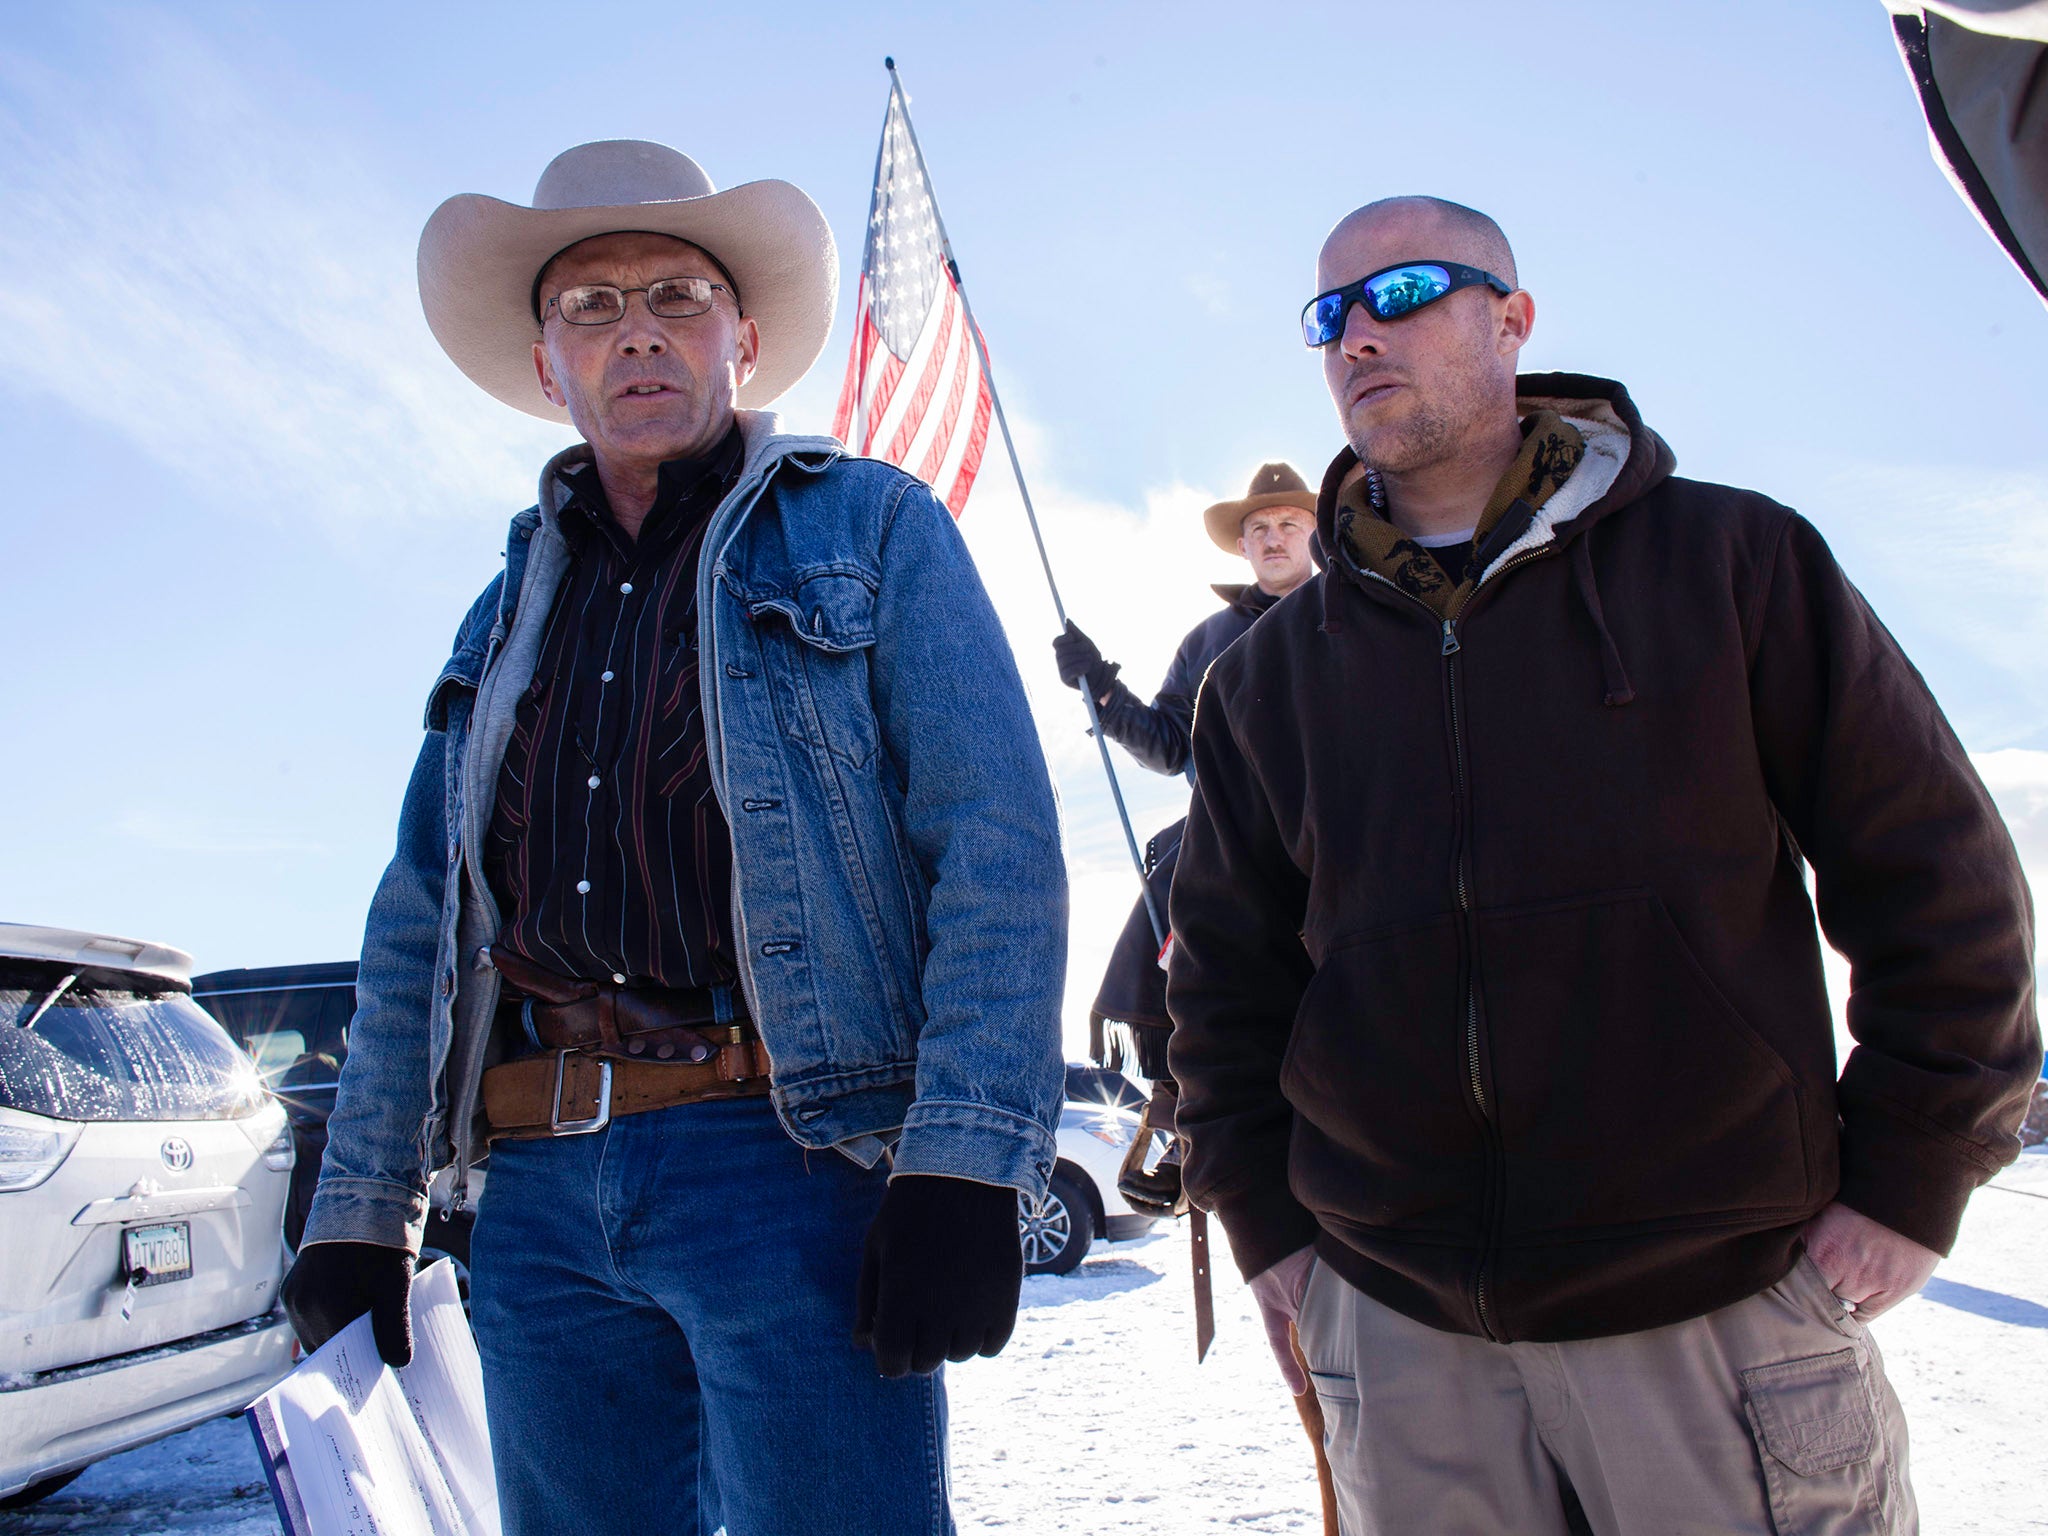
(1097, 1419)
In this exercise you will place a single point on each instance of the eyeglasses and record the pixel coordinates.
(1389, 294)
(672, 298)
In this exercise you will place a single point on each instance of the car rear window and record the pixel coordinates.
(297, 1035)
(81, 1043)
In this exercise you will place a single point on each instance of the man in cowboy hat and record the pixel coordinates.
(728, 905)
(1270, 526)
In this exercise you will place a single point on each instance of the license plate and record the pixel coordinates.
(159, 1254)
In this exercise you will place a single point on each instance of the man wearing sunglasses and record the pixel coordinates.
(1504, 1052)
(728, 910)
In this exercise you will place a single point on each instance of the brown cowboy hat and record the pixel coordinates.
(479, 259)
(1275, 485)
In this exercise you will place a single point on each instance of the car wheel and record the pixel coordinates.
(34, 1492)
(1058, 1230)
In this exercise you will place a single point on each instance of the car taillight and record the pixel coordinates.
(32, 1148)
(281, 1154)
(271, 1134)
(269, 1131)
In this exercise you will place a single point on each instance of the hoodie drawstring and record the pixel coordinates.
(1619, 689)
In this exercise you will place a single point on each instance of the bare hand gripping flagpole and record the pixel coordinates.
(1016, 468)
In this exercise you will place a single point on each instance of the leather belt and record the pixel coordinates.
(569, 1093)
(562, 1013)
(613, 1050)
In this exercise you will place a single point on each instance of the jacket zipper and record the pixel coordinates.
(1450, 650)
(1475, 1078)
(1450, 653)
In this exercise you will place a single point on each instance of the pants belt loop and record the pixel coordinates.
(721, 1005)
(526, 1023)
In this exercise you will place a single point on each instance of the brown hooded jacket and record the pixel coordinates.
(1497, 976)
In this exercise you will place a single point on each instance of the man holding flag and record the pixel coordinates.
(1270, 526)
(728, 905)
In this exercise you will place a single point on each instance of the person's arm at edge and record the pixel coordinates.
(1156, 734)
(984, 828)
(372, 1179)
(1236, 979)
(1918, 885)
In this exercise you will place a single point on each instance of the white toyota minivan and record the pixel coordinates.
(143, 1177)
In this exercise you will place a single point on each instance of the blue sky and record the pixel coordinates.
(249, 499)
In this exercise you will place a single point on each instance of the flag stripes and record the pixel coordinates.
(914, 393)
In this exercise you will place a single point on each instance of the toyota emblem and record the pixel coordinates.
(176, 1153)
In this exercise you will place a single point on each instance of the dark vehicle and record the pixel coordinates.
(293, 1021)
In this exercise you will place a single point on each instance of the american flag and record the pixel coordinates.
(915, 393)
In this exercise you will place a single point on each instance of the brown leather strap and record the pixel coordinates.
(1310, 1407)
(568, 1013)
(565, 1093)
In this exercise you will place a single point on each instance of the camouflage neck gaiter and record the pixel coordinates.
(1551, 449)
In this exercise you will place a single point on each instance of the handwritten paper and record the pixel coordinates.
(355, 1448)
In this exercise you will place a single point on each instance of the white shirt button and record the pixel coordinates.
(604, 677)
(626, 587)
(582, 887)
(617, 979)
(594, 781)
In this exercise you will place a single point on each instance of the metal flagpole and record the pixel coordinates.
(1016, 468)
(860, 371)
(1198, 1220)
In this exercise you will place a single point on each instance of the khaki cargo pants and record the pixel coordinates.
(1771, 1416)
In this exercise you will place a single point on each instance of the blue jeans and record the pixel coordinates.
(665, 1314)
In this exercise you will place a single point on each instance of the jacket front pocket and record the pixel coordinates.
(1385, 1136)
(1628, 1090)
(830, 623)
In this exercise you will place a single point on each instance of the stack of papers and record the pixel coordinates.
(354, 1448)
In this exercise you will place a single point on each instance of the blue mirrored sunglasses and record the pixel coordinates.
(1390, 293)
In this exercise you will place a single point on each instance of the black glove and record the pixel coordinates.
(941, 1273)
(1156, 1190)
(333, 1284)
(1079, 659)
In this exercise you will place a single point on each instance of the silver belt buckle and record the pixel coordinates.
(557, 1126)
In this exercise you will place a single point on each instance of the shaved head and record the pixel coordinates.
(1429, 395)
(1462, 234)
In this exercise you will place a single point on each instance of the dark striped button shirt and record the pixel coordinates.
(607, 850)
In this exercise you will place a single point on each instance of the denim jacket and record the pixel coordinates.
(899, 891)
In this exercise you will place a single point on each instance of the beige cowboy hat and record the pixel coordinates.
(480, 259)
(1275, 485)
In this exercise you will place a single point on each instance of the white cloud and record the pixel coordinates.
(2018, 781)
(1956, 562)
(227, 286)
